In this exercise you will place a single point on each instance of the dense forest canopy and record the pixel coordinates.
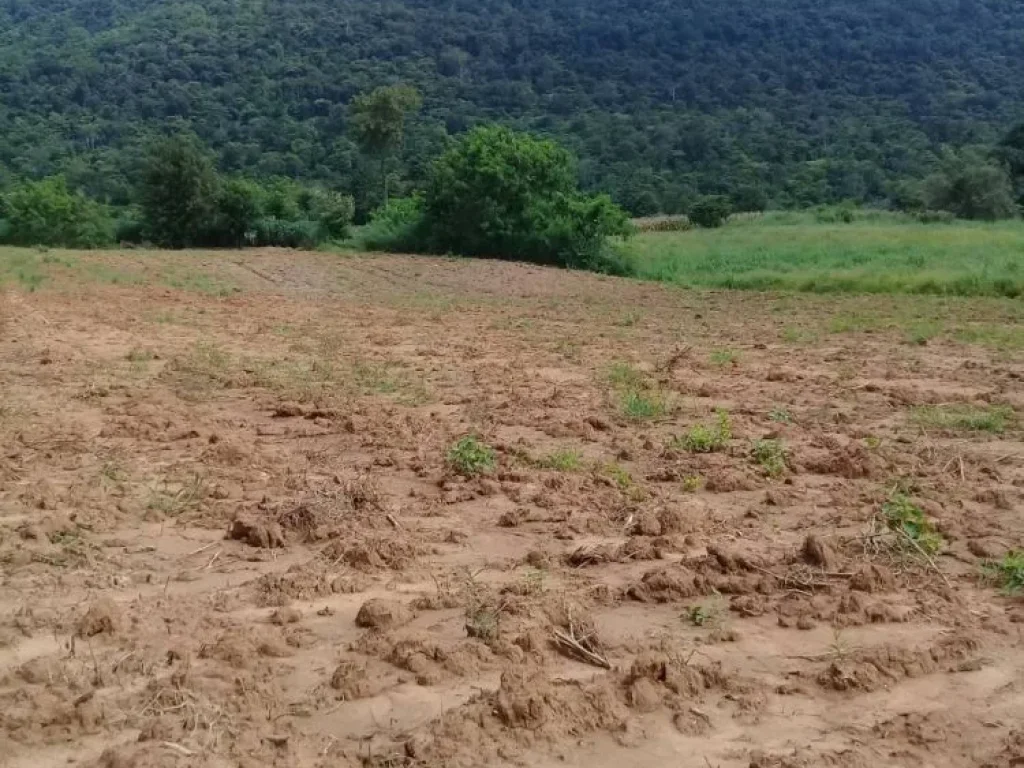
(796, 101)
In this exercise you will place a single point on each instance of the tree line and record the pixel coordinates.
(789, 103)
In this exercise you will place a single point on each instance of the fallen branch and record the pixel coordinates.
(573, 646)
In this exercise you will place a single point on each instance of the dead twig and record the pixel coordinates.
(177, 748)
(573, 646)
(925, 555)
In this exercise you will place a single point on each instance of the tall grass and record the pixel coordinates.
(879, 254)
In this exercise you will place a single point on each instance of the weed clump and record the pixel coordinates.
(471, 457)
(1007, 573)
(771, 455)
(908, 520)
(704, 439)
(964, 417)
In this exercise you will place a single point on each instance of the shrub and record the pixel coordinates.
(469, 457)
(332, 210)
(1008, 573)
(286, 234)
(970, 187)
(47, 213)
(398, 228)
(239, 208)
(704, 439)
(710, 211)
(502, 194)
(178, 193)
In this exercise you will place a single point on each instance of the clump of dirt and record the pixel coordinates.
(373, 552)
(306, 581)
(263, 534)
(667, 585)
(850, 459)
(103, 617)
(818, 552)
(636, 548)
(352, 682)
(383, 614)
(872, 577)
(871, 669)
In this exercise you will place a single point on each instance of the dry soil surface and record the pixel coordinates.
(233, 533)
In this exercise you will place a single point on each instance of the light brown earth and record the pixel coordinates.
(229, 535)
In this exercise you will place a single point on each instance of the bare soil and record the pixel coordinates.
(231, 535)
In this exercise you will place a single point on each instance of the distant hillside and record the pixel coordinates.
(805, 101)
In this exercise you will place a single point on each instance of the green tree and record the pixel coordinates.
(504, 194)
(239, 209)
(970, 186)
(710, 211)
(47, 213)
(178, 193)
(378, 123)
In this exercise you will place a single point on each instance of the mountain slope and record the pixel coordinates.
(807, 100)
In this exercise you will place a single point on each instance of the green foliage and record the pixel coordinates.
(1008, 573)
(771, 455)
(378, 122)
(790, 251)
(970, 187)
(710, 212)
(964, 417)
(780, 415)
(704, 439)
(397, 228)
(470, 457)
(907, 519)
(642, 406)
(626, 376)
(723, 357)
(502, 194)
(178, 192)
(47, 213)
(562, 460)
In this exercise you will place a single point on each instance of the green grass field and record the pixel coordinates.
(793, 252)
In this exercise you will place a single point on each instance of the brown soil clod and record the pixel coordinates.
(255, 533)
(383, 614)
(103, 617)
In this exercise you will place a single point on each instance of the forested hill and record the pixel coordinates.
(805, 100)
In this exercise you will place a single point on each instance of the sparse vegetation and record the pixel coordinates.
(963, 417)
(911, 524)
(722, 357)
(642, 406)
(1007, 573)
(780, 415)
(771, 455)
(562, 460)
(704, 439)
(470, 457)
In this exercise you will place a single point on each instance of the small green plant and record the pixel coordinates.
(708, 613)
(629, 319)
(780, 415)
(771, 455)
(724, 357)
(471, 457)
(562, 460)
(640, 406)
(872, 443)
(964, 417)
(626, 376)
(620, 475)
(704, 439)
(1007, 573)
(692, 483)
(908, 520)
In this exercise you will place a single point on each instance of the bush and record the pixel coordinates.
(844, 213)
(47, 213)
(397, 228)
(935, 217)
(301, 233)
(333, 211)
(710, 211)
(502, 194)
(178, 193)
(970, 187)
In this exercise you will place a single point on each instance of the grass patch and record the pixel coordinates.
(706, 439)
(626, 376)
(1008, 573)
(780, 416)
(771, 455)
(793, 252)
(908, 520)
(963, 417)
(642, 406)
(562, 460)
(724, 357)
(471, 457)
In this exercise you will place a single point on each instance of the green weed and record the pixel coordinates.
(771, 455)
(780, 415)
(470, 457)
(1007, 573)
(562, 460)
(692, 483)
(963, 417)
(641, 406)
(623, 479)
(723, 357)
(904, 517)
(704, 439)
(626, 377)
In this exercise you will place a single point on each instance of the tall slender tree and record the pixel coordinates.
(378, 122)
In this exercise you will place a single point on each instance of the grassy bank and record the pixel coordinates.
(794, 252)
